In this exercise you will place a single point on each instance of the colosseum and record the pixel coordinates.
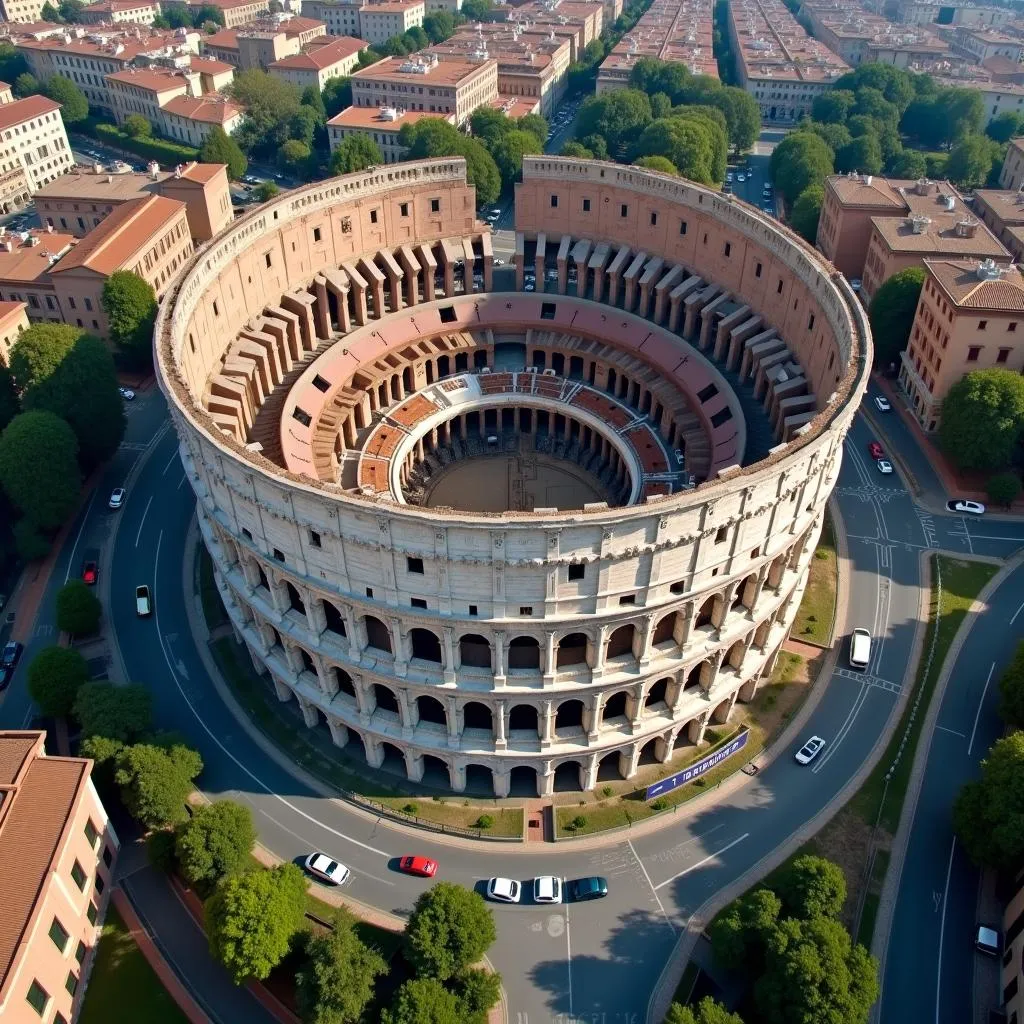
(511, 528)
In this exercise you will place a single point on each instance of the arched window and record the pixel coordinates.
(378, 635)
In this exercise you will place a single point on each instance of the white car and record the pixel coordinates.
(884, 467)
(741, 177)
(143, 604)
(882, 403)
(504, 890)
(331, 871)
(547, 889)
(965, 507)
(116, 498)
(810, 750)
(127, 394)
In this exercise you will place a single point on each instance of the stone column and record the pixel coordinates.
(406, 714)
(325, 678)
(364, 699)
(749, 689)
(550, 658)
(628, 760)
(546, 779)
(501, 779)
(665, 745)
(454, 718)
(374, 751)
(398, 646)
(499, 658)
(457, 777)
(594, 716)
(596, 651)
(413, 766)
(695, 728)
(646, 640)
(635, 706)
(450, 656)
(547, 724)
(501, 737)
(283, 692)
(339, 732)
(310, 715)
(588, 772)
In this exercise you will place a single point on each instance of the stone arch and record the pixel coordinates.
(608, 768)
(657, 693)
(522, 780)
(335, 620)
(476, 715)
(664, 631)
(524, 652)
(378, 636)
(308, 665)
(431, 710)
(425, 645)
(384, 698)
(706, 614)
(344, 681)
(356, 746)
(778, 568)
(436, 772)
(567, 777)
(615, 706)
(392, 759)
(569, 714)
(479, 780)
(474, 651)
(736, 654)
(695, 677)
(572, 650)
(723, 710)
(620, 643)
(523, 717)
(295, 601)
(745, 593)
(648, 752)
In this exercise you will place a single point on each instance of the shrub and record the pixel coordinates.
(484, 821)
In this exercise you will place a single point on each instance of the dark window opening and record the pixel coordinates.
(720, 417)
(547, 311)
(414, 565)
(707, 393)
(447, 314)
(576, 572)
(320, 384)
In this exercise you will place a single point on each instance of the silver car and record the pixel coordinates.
(116, 498)
(810, 750)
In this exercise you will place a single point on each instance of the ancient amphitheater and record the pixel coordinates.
(511, 528)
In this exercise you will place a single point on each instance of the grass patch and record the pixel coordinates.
(121, 977)
(816, 615)
(213, 607)
(462, 813)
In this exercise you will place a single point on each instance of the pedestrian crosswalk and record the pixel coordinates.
(865, 677)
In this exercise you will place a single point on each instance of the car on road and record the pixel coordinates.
(547, 889)
(90, 573)
(333, 872)
(582, 889)
(987, 940)
(884, 466)
(116, 497)
(11, 655)
(965, 507)
(810, 750)
(504, 890)
(127, 394)
(875, 450)
(143, 603)
(741, 177)
(6, 675)
(882, 403)
(422, 866)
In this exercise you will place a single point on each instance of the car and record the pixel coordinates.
(90, 573)
(875, 450)
(741, 177)
(582, 889)
(504, 890)
(966, 507)
(547, 889)
(498, 263)
(882, 403)
(11, 654)
(6, 675)
(987, 940)
(116, 498)
(884, 466)
(332, 872)
(422, 866)
(143, 604)
(810, 750)
(127, 394)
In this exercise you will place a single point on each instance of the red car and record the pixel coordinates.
(90, 573)
(875, 450)
(421, 866)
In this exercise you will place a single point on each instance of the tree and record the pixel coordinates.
(440, 25)
(450, 929)
(312, 98)
(834, 106)
(658, 163)
(478, 10)
(812, 887)
(424, 1000)
(78, 609)
(121, 713)
(137, 127)
(983, 419)
(178, 16)
(739, 933)
(269, 104)
(970, 161)
(686, 143)
(130, 305)
(908, 163)
(266, 190)
(800, 160)
(661, 105)
(9, 404)
(220, 148)
(1011, 690)
(577, 150)
(355, 153)
(54, 677)
(508, 153)
(251, 919)
(38, 469)
(1004, 488)
(1006, 126)
(155, 782)
(337, 95)
(201, 15)
(61, 369)
(215, 841)
(891, 314)
(618, 117)
(74, 107)
(303, 125)
(434, 136)
(863, 154)
(294, 155)
(336, 982)
(25, 85)
(50, 13)
(805, 212)
(71, 10)
(707, 1011)
(478, 990)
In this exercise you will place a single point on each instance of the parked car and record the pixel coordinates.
(90, 573)
(504, 890)
(422, 866)
(143, 604)
(583, 889)
(810, 750)
(330, 871)
(876, 451)
(11, 654)
(116, 497)
(987, 940)
(882, 403)
(741, 177)
(884, 466)
(127, 394)
(965, 507)
(547, 889)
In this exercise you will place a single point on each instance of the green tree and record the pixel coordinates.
(355, 153)
(220, 148)
(800, 160)
(440, 25)
(78, 609)
(424, 1000)
(742, 114)
(120, 713)
(216, 841)
(833, 107)
(687, 143)
(434, 136)
(130, 305)
(618, 117)
(294, 156)
(155, 782)
(988, 814)
(337, 95)
(835, 136)
(60, 369)
(805, 212)
(658, 163)
(811, 887)
(970, 161)
(1011, 690)
(508, 153)
(201, 15)
(478, 10)
(303, 125)
(12, 63)
(450, 929)
(661, 105)
(71, 10)
(891, 314)
(983, 419)
(30, 541)
(863, 154)
(137, 127)
(74, 107)
(908, 163)
(55, 675)
(266, 190)
(252, 918)
(50, 13)
(38, 469)
(312, 98)
(178, 16)
(576, 149)
(9, 404)
(738, 934)
(1006, 126)
(478, 991)
(1004, 488)
(269, 104)
(25, 85)
(335, 984)
(707, 1011)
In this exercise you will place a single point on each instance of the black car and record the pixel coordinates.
(593, 888)
(11, 655)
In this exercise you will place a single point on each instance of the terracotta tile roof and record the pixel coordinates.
(210, 109)
(858, 192)
(24, 110)
(316, 58)
(226, 39)
(15, 747)
(31, 262)
(101, 188)
(201, 173)
(960, 281)
(939, 238)
(369, 117)
(114, 241)
(209, 66)
(296, 26)
(444, 72)
(153, 79)
(9, 310)
(1006, 206)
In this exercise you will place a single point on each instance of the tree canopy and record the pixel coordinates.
(740, 932)
(355, 153)
(800, 160)
(891, 314)
(1004, 488)
(433, 136)
(811, 887)
(971, 161)
(707, 1011)
(221, 148)
(55, 675)
(130, 304)
(1011, 690)
(424, 1000)
(983, 419)
(215, 841)
(137, 127)
(74, 107)
(156, 781)
(618, 117)
(806, 211)
(450, 929)
(78, 609)
(122, 713)
(270, 103)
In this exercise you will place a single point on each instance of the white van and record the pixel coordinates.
(860, 648)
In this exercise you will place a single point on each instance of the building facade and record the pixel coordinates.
(121, 12)
(1012, 175)
(1003, 213)
(319, 63)
(383, 126)
(13, 320)
(32, 136)
(378, 22)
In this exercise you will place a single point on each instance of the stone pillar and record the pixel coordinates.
(316, 618)
(450, 657)
(310, 715)
(665, 745)
(407, 714)
(501, 779)
(550, 658)
(719, 716)
(628, 760)
(749, 689)
(364, 699)
(374, 751)
(596, 652)
(646, 640)
(457, 777)
(283, 692)
(588, 772)
(547, 725)
(546, 779)
(695, 728)
(454, 718)
(499, 658)
(325, 678)
(594, 716)
(413, 766)
(356, 640)
(635, 706)
(398, 646)
(339, 732)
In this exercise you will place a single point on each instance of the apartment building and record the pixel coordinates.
(423, 83)
(260, 44)
(681, 31)
(236, 12)
(57, 855)
(782, 67)
(22, 10)
(380, 21)
(190, 119)
(1012, 175)
(382, 125)
(32, 136)
(206, 193)
(6, 96)
(340, 16)
(1003, 213)
(145, 90)
(13, 320)
(982, 43)
(325, 58)
(970, 317)
(578, 22)
(121, 12)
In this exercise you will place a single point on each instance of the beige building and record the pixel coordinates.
(378, 22)
(57, 854)
(236, 12)
(6, 96)
(145, 90)
(121, 12)
(260, 44)
(1003, 213)
(381, 125)
(13, 320)
(970, 317)
(982, 43)
(1012, 175)
(340, 17)
(32, 137)
(190, 120)
(322, 60)
(22, 10)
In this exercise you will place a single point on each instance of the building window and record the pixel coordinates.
(78, 874)
(435, 205)
(71, 984)
(472, 609)
(279, 554)
(1012, 326)
(728, 248)
(414, 565)
(81, 951)
(810, 322)
(38, 998)
(654, 218)
(314, 539)
(722, 535)
(369, 591)
(100, 884)
(682, 227)
(757, 270)
(576, 572)
(982, 324)
(624, 210)
(627, 599)
(418, 602)
(586, 206)
(71, 302)
(554, 202)
(267, 259)
(246, 533)
(88, 305)
(972, 353)
(778, 290)
(403, 209)
(526, 609)
(316, 234)
(90, 832)
(373, 216)
(1004, 354)
(59, 935)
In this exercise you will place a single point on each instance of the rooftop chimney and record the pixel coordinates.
(924, 187)
(967, 227)
(989, 270)
(919, 223)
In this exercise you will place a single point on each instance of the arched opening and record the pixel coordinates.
(477, 716)
(344, 681)
(474, 651)
(694, 678)
(385, 698)
(657, 694)
(479, 780)
(523, 781)
(264, 582)
(307, 661)
(722, 711)
(567, 777)
(377, 634)
(738, 600)
(614, 707)
(524, 652)
(425, 645)
(394, 760)
(295, 601)
(569, 715)
(620, 643)
(648, 753)
(706, 614)
(736, 654)
(523, 718)
(355, 748)
(335, 620)
(663, 632)
(431, 710)
(435, 772)
(608, 768)
(572, 650)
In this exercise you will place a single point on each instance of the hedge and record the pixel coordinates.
(161, 150)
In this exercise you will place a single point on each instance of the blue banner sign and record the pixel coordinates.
(698, 768)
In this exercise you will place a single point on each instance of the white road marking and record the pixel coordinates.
(952, 732)
(174, 455)
(942, 931)
(844, 729)
(142, 521)
(207, 730)
(1016, 613)
(702, 862)
(977, 714)
(654, 891)
(74, 547)
(568, 952)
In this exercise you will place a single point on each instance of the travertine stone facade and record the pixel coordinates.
(509, 650)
